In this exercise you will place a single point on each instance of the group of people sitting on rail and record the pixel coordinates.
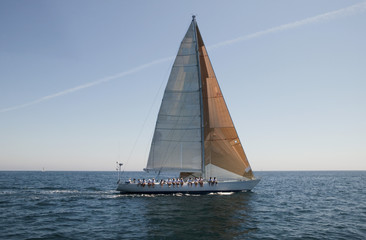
(175, 182)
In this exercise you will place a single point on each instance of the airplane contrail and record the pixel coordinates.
(87, 85)
(351, 10)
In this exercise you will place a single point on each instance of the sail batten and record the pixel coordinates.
(187, 54)
(172, 140)
(182, 91)
(186, 65)
(177, 128)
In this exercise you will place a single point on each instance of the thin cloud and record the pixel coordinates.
(351, 10)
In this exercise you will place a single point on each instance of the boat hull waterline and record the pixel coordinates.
(229, 186)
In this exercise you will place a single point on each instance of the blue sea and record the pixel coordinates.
(85, 205)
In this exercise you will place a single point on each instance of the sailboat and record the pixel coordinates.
(194, 136)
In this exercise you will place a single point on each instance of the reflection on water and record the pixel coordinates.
(186, 216)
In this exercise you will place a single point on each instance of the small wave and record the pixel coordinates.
(222, 193)
(59, 191)
(8, 192)
(192, 195)
(111, 196)
(148, 195)
(105, 194)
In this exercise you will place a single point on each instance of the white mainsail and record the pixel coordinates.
(194, 133)
(176, 144)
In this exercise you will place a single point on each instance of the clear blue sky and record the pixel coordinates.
(296, 92)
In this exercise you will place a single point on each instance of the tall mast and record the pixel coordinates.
(201, 97)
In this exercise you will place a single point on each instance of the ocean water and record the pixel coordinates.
(84, 205)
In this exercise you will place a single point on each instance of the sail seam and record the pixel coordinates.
(187, 54)
(168, 140)
(213, 97)
(177, 128)
(167, 115)
(184, 91)
(222, 139)
(186, 65)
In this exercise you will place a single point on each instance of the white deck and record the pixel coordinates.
(227, 186)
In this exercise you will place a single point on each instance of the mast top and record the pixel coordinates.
(193, 17)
